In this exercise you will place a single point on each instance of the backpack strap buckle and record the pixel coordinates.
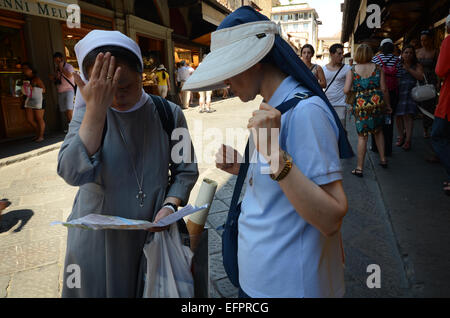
(302, 95)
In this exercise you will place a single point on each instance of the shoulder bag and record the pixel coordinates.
(421, 93)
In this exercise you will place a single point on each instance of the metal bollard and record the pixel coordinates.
(200, 267)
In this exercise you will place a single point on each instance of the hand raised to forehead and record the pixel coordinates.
(99, 91)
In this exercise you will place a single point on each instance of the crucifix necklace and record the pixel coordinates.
(140, 195)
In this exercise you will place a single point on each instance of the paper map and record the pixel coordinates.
(106, 222)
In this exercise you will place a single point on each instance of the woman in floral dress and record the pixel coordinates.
(372, 99)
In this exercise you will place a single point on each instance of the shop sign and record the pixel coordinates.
(45, 8)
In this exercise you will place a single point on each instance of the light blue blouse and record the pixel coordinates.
(279, 253)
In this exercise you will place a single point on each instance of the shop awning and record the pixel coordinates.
(51, 9)
(211, 14)
(399, 18)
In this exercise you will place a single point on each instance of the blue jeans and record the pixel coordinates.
(440, 140)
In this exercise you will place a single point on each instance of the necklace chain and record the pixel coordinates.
(141, 195)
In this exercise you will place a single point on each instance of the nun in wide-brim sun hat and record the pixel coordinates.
(245, 38)
(233, 51)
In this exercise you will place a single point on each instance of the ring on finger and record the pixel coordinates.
(109, 77)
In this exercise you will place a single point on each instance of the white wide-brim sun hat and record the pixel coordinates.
(233, 51)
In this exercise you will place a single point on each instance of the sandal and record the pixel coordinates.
(400, 141)
(383, 164)
(406, 146)
(357, 172)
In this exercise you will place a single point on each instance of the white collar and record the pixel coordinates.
(139, 104)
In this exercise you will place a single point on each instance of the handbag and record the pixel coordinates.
(350, 98)
(230, 233)
(421, 93)
(35, 99)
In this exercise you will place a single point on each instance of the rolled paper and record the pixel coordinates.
(205, 196)
(196, 221)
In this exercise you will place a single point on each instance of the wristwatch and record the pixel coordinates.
(171, 206)
(287, 167)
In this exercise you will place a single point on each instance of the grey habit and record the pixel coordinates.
(112, 262)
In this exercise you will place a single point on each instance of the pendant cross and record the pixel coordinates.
(141, 196)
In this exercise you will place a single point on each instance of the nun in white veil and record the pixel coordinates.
(122, 170)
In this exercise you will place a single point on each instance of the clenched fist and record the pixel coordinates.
(265, 127)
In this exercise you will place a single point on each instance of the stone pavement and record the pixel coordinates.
(32, 252)
(383, 225)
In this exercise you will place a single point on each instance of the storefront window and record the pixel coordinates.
(12, 54)
(69, 49)
(152, 55)
(11, 57)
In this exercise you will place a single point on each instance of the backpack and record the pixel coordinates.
(391, 74)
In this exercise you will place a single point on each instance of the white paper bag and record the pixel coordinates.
(168, 266)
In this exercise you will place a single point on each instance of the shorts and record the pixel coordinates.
(162, 90)
(65, 100)
(341, 111)
(202, 98)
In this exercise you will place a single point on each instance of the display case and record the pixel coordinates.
(13, 121)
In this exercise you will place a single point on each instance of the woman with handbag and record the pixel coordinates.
(287, 228)
(410, 72)
(367, 80)
(34, 89)
(427, 56)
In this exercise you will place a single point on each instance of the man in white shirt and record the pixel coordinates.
(335, 73)
(183, 74)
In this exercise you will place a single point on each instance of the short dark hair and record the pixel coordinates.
(307, 46)
(121, 54)
(58, 54)
(335, 47)
(387, 48)
(426, 32)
